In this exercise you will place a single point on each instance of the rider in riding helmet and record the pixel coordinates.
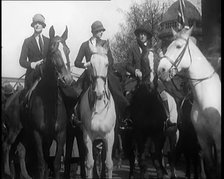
(121, 102)
(34, 51)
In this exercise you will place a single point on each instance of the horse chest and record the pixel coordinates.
(102, 124)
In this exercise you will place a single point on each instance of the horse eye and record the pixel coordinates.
(178, 46)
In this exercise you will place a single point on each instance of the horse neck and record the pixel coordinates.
(203, 89)
(200, 67)
(48, 87)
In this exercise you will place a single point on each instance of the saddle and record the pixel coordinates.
(25, 96)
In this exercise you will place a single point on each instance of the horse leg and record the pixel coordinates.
(157, 159)
(61, 137)
(89, 157)
(82, 151)
(207, 157)
(187, 159)
(68, 153)
(131, 157)
(196, 162)
(140, 147)
(41, 162)
(109, 147)
(217, 148)
(120, 151)
(173, 137)
(6, 148)
(103, 159)
(202, 168)
(22, 153)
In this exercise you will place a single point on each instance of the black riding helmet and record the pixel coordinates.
(144, 28)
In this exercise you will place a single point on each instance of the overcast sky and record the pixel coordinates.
(77, 15)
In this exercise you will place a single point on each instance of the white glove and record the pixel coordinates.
(34, 64)
(86, 64)
(138, 73)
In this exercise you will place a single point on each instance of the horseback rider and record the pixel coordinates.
(143, 37)
(34, 52)
(121, 102)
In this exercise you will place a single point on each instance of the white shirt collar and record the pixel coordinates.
(93, 40)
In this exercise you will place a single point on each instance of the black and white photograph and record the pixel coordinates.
(123, 89)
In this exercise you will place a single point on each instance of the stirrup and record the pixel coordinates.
(29, 92)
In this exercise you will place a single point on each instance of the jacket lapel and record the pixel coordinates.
(34, 43)
(137, 50)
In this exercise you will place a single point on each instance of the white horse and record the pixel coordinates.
(97, 109)
(184, 56)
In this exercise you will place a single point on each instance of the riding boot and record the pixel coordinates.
(76, 118)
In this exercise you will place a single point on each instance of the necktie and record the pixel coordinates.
(41, 44)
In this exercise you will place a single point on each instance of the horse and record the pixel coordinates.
(45, 117)
(72, 132)
(148, 116)
(187, 143)
(97, 109)
(183, 55)
(17, 153)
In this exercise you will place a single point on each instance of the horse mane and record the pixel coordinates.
(47, 87)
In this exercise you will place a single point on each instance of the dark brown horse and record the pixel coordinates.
(148, 115)
(45, 118)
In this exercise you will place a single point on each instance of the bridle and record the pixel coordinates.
(104, 78)
(174, 65)
(61, 77)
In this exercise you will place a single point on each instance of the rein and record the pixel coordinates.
(18, 80)
(107, 93)
(177, 62)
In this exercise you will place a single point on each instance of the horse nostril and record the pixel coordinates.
(163, 70)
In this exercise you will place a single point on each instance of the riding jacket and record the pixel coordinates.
(30, 53)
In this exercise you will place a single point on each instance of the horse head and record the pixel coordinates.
(59, 53)
(178, 56)
(99, 68)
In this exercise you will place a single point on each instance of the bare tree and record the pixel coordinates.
(149, 11)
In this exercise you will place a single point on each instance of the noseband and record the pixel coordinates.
(174, 66)
(104, 80)
(60, 76)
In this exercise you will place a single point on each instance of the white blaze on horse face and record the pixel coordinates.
(162, 69)
(60, 48)
(151, 65)
(100, 66)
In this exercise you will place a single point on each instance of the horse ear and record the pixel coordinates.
(173, 32)
(51, 32)
(65, 34)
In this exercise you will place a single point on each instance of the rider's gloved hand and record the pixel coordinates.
(87, 64)
(138, 73)
(34, 64)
